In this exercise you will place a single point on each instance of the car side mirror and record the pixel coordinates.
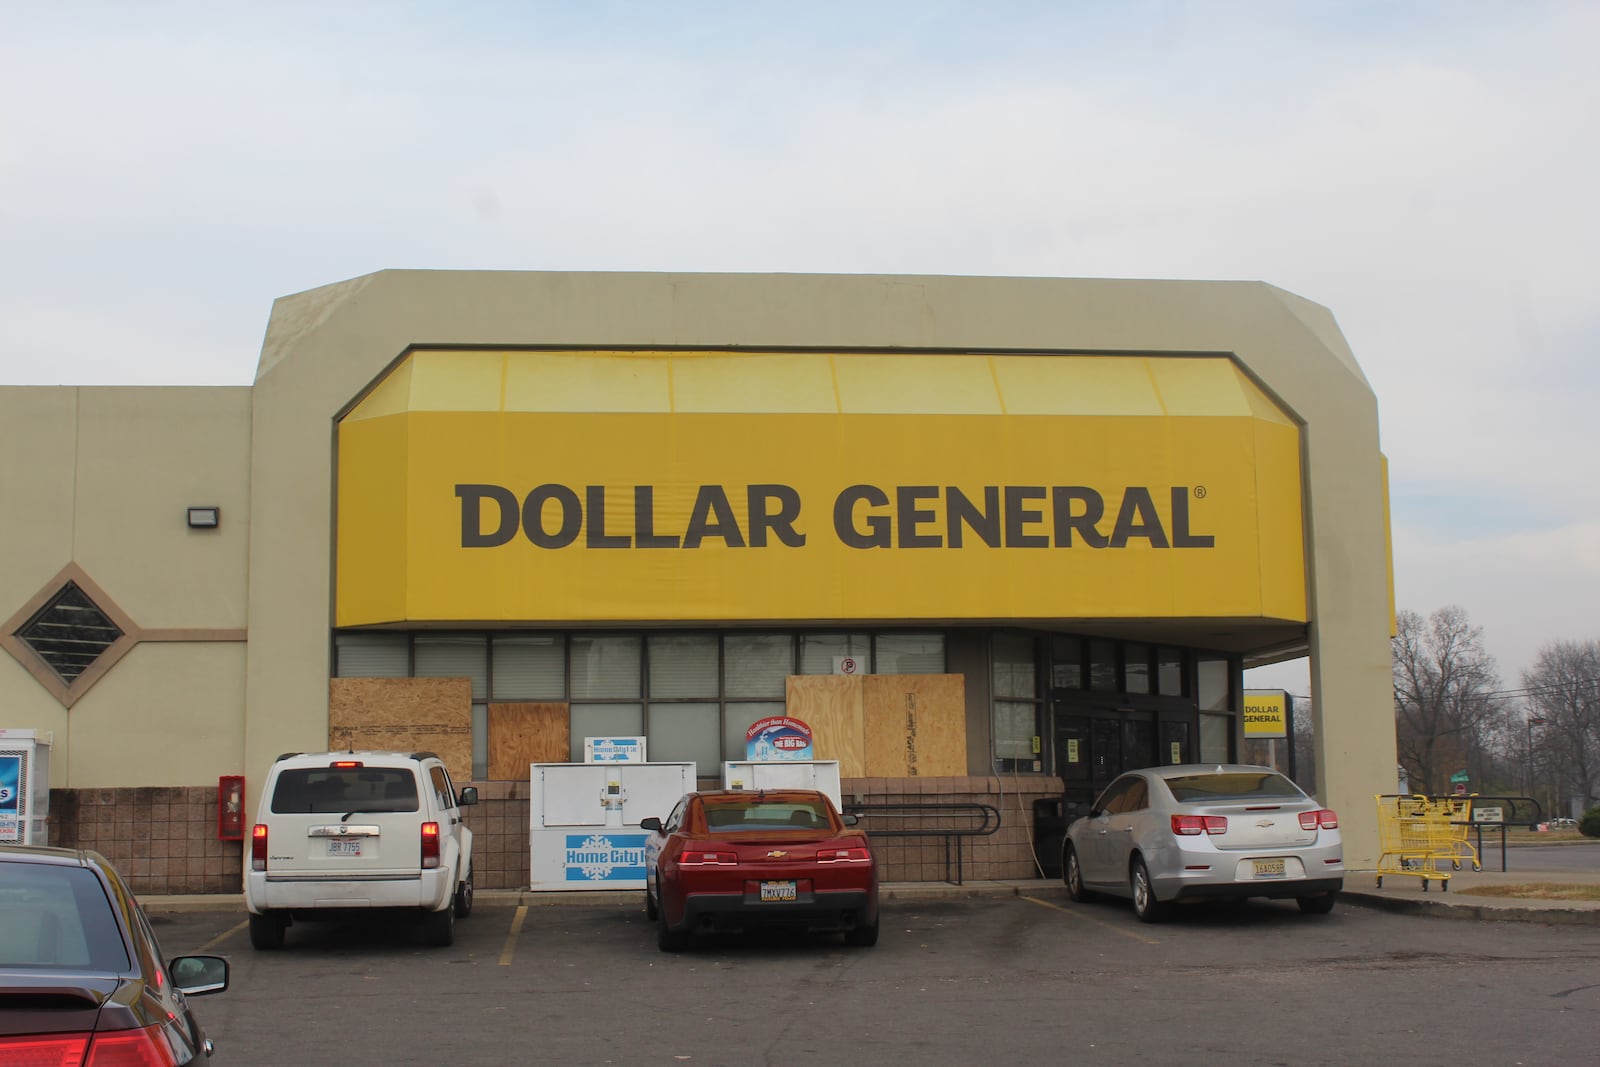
(652, 823)
(850, 820)
(196, 976)
(469, 796)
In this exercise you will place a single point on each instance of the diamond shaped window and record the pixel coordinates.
(69, 633)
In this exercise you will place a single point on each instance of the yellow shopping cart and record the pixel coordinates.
(1413, 832)
(1455, 814)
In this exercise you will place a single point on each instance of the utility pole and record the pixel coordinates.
(1532, 722)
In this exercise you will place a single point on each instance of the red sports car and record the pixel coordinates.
(734, 859)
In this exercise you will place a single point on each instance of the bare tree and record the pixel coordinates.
(1563, 689)
(1444, 695)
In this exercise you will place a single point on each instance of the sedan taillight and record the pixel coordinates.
(697, 857)
(1324, 819)
(258, 847)
(430, 845)
(1194, 825)
(844, 855)
(117, 1048)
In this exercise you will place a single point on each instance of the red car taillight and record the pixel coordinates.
(695, 857)
(430, 845)
(844, 855)
(258, 847)
(1324, 819)
(118, 1048)
(1192, 825)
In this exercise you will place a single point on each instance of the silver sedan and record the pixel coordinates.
(1203, 831)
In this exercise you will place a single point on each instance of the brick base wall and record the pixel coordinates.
(164, 839)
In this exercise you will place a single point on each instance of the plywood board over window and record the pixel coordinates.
(915, 725)
(404, 715)
(831, 705)
(886, 725)
(524, 734)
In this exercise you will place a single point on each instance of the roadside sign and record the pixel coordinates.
(1488, 815)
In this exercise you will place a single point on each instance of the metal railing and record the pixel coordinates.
(948, 820)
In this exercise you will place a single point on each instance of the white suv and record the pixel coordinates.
(343, 830)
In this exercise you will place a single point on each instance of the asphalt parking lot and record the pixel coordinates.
(953, 981)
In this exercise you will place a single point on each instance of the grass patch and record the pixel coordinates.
(1536, 891)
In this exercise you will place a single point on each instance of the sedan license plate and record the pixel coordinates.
(344, 846)
(778, 893)
(1269, 868)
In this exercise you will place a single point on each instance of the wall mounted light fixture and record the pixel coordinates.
(205, 518)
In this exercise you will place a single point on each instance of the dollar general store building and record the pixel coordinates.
(1050, 520)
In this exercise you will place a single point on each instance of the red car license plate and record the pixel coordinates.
(778, 892)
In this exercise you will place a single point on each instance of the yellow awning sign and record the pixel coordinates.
(678, 486)
(1266, 714)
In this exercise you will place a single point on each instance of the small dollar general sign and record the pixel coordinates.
(1266, 714)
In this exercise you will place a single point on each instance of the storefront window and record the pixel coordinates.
(1136, 670)
(605, 720)
(757, 664)
(1169, 671)
(1066, 663)
(1212, 678)
(737, 721)
(817, 651)
(1103, 666)
(686, 733)
(1215, 732)
(605, 665)
(909, 654)
(1017, 709)
(683, 665)
(528, 667)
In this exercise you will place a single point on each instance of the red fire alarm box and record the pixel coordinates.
(230, 807)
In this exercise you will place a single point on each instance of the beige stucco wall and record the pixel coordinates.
(101, 477)
(325, 346)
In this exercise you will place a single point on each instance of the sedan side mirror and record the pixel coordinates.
(197, 975)
(849, 820)
(652, 823)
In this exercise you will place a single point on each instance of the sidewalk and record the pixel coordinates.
(1399, 893)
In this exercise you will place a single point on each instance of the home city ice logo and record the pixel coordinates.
(605, 858)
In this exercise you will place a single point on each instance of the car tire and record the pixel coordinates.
(463, 903)
(863, 934)
(651, 912)
(1145, 904)
(266, 931)
(439, 927)
(1072, 874)
(1320, 904)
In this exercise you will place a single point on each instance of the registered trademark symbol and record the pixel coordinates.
(1199, 492)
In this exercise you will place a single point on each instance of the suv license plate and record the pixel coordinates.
(778, 893)
(344, 846)
(1269, 868)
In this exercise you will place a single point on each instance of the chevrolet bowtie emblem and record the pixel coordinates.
(776, 854)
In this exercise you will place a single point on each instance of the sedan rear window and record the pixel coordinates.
(345, 789)
(1233, 785)
(736, 814)
(58, 917)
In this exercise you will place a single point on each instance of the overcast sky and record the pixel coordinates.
(1427, 171)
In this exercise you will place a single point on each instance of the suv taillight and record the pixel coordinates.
(430, 844)
(1192, 825)
(258, 847)
(1324, 819)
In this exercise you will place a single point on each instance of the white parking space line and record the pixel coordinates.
(511, 938)
(220, 938)
(1106, 926)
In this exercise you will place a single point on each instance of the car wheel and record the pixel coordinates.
(1145, 904)
(464, 897)
(266, 931)
(1072, 874)
(439, 927)
(862, 935)
(668, 939)
(1320, 904)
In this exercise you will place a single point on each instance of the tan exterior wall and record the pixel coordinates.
(107, 475)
